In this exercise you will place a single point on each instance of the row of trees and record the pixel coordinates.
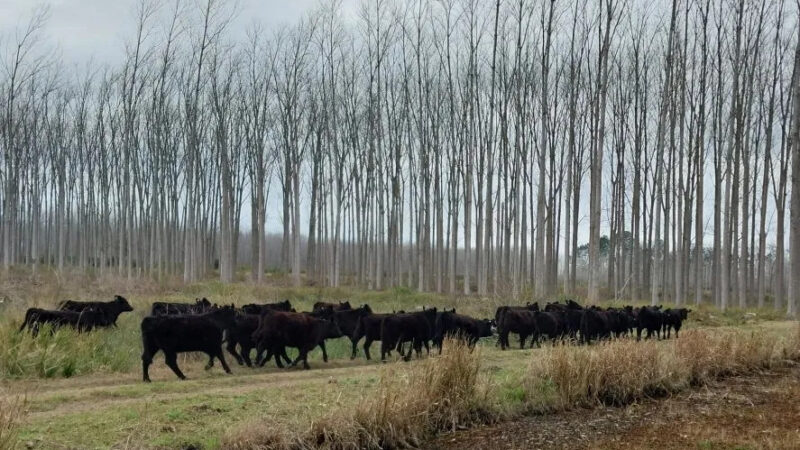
(447, 146)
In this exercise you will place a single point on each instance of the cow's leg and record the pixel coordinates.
(210, 361)
(285, 356)
(354, 351)
(148, 351)
(411, 346)
(231, 347)
(324, 351)
(503, 339)
(407, 357)
(399, 346)
(263, 355)
(172, 362)
(277, 351)
(384, 349)
(260, 358)
(222, 361)
(427, 347)
(367, 343)
(147, 359)
(246, 356)
(522, 338)
(304, 356)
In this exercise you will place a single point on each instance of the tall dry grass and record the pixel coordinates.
(411, 404)
(619, 372)
(11, 413)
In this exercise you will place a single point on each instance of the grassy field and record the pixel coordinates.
(84, 391)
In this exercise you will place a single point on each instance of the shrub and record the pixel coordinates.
(619, 372)
(410, 405)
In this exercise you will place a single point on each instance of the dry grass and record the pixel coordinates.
(414, 403)
(11, 413)
(411, 405)
(621, 371)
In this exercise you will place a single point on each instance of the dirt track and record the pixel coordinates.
(755, 411)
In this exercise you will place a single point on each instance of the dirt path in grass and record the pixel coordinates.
(51, 398)
(116, 390)
(755, 411)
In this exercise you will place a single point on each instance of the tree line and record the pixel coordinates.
(447, 146)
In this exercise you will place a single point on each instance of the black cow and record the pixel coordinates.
(110, 310)
(417, 328)
(241, 333)
(501, 310)
(348, 321)
(199, 306)
(521, 322)
(572, 322)
(620, 321)
(81, 321)
(673, 320)
(548, 325)
(594, 325)
(554, 306)
(650, 319)
(258, 308)
(179, 333)
(448, 323)
(572, 304)
(341, 306)
(368, 327)
(279, 329)
(498, 314)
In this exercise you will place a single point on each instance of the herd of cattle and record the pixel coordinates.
(272, 327)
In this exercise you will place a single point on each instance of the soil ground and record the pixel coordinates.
(754, 411)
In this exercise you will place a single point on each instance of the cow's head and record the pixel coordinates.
(202, 305)
(684, 313)
(122, 303)
(572, 304)
(285, 305)
(344, 305)
(325, 312)
(485, 328)
(533, 306)
(363, 310)
(430, 315)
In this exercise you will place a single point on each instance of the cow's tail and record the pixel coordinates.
(27, 321)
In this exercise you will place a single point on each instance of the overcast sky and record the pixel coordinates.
(95, 30)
